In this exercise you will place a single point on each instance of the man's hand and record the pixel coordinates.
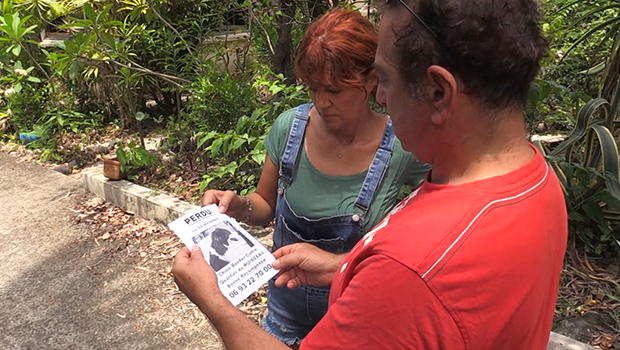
(198, 281)
(196, 278)
(303, 263)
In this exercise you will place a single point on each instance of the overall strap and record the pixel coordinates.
(377, 170)
(288, 164)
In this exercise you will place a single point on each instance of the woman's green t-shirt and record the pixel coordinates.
(316, 195)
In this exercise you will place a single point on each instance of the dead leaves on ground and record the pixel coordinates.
(604, 341)
(115, 223)
(255, 306)
(588, 288)
(73, 149)
(151, 247)
(123, 235)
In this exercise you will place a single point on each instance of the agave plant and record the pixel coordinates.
(586, 164)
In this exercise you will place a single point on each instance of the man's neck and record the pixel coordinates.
(485, 150)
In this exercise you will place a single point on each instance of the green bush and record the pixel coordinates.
(217, 102)
(134, 157)
(27, 107)
(240, 153)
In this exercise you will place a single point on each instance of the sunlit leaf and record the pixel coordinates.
(595, 70)
(140, 116)
(215, 146)
(17, 49)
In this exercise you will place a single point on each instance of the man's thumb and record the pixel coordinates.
(285, 262)
(197, 252)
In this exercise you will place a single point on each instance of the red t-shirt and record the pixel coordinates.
(472, 266)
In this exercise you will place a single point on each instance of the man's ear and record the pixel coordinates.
(441, 89)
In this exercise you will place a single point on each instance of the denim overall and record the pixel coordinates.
(293, 313)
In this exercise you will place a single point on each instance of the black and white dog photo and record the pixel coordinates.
(226, 245)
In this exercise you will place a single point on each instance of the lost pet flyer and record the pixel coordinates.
(241, 263)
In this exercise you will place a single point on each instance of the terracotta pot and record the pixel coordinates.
(112, 169)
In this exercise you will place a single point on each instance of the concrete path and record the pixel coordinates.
(60, 288)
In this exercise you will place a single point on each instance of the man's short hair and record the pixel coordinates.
(494, 47)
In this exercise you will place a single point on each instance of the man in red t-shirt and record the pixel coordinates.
(472, 259)
(466, 266)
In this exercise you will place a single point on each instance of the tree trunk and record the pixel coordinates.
(612, 71)
(284, 56)
(611, 80)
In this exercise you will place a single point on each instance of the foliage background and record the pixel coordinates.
(212, 76)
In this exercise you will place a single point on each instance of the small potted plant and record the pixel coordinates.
(129, 159)
(112, 169)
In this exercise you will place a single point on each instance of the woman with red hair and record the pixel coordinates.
(335, 167)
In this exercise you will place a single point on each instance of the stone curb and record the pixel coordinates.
(164, 208)
(560, 342)
(137, 199)
(148, 203)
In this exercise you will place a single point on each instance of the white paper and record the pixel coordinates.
(241, 263)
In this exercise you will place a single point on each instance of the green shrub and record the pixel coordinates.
(218, 100)
(134, 157)
(27, 107)
(240, 152)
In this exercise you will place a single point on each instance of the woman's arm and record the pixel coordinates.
(263, 200)
(262, 203)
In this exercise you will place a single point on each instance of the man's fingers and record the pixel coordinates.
(287, 249)
(183, 254)
(287, 261)
(196, 253)
(181, 260)
(282, 251)
(285, 276)
(294, 283)
(289, 278)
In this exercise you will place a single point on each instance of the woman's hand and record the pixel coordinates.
(228, 202)
(303, 263)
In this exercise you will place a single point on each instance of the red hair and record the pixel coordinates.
(337, 50)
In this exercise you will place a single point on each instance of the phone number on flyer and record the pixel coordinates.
(252, 279)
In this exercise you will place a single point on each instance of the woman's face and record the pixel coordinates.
(342, 106)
